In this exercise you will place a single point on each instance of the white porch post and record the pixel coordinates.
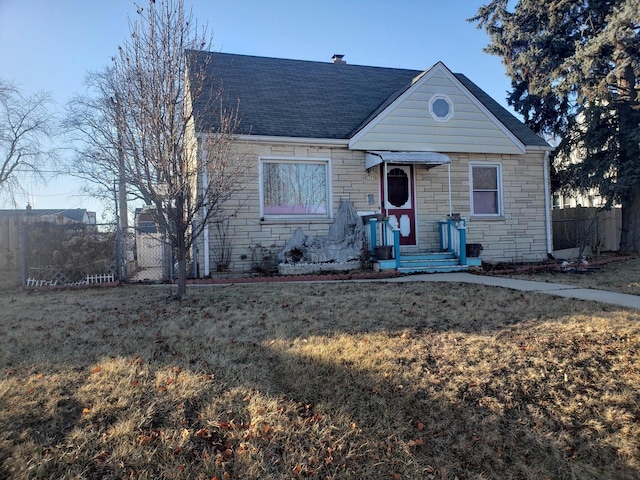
(205, 231)
(449, 175)
(547, 199)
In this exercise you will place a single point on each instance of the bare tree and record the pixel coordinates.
(25, 122)
(138, 128)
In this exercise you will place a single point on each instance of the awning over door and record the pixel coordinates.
(423, 158)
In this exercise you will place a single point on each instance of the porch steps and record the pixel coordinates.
(430, 263)
(436, 262)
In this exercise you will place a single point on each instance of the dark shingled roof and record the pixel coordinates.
(75, 214)
(297, 98)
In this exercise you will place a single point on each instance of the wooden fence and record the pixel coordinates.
(587, 226)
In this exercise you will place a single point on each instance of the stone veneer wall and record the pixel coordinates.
(517, 236)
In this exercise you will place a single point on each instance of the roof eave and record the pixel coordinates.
(326, 142)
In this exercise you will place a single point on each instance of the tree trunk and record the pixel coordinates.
(630, 237)
(182, 276)
(627, 170)
(181, 258)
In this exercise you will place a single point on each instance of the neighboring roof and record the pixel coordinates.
(297, 98)
(75, 214)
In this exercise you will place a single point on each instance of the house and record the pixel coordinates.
(12, 221)
(419, 148)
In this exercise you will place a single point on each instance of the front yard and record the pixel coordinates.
(343, 380)
(621, 276)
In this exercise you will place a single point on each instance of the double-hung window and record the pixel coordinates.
(295, 187)
(485, 180)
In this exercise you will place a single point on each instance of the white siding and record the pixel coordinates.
(407, 124)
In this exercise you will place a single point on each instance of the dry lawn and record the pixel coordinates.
(621, 276)
(322, 381)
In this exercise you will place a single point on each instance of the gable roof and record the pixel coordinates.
(74, 214)
(298, 98)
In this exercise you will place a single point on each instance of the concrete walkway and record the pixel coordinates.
(559, 289)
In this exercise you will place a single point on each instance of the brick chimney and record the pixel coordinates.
(337, 58)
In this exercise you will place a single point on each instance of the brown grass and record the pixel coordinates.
(350, 380)
(621, 276)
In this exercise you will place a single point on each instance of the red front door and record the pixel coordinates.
(398, 200)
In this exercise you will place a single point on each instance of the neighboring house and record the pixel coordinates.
(413, 146)
(572, 199)
(576, 199)
(11, 222)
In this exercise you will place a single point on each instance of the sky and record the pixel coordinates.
(50, 45)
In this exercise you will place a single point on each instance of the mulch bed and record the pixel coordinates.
(550, 266)
(320, 277)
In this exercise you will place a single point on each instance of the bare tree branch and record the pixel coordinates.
(25, 122)
(138, 125)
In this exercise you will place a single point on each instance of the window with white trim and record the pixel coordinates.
(441, 108)
(485, 181)
(294, 187)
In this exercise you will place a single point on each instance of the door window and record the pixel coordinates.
(398, 187)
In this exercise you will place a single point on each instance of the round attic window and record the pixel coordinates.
(441, 108)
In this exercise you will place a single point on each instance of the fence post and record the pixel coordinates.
(24, 245)
(118, 251)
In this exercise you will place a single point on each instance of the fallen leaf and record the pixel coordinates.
(96, 369)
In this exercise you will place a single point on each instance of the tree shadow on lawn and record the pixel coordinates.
(308, 393)
(473, 431)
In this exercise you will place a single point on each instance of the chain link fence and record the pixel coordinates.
(48, 254)
(153, 254)
(71, 254)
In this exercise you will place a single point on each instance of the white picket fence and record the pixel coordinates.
(89, 280)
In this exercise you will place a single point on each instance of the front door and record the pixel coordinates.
(398, 194)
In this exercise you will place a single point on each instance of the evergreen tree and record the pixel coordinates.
(575, 72)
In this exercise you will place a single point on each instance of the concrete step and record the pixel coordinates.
(427, 256)
(432, 268)
(440, 261)
(427, 262)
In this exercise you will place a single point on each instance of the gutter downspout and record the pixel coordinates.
(547, 207)
(205, 231)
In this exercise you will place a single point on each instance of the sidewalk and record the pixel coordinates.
(558, 289)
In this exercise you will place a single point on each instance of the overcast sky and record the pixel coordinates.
(51, 44)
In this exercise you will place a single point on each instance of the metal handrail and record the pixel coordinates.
(453, 238)
(386, 229)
